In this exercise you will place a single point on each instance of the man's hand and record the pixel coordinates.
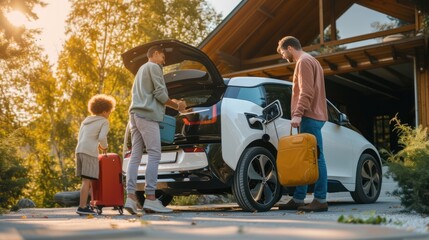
(181, 106)
(296, 121)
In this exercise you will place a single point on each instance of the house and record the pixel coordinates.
(370, 83)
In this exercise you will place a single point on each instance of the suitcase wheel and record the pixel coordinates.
(99, 210)
(119, 208)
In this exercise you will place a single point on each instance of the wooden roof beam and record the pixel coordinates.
(377, 80)
(333, 20)
(265, 13)
(268, 75)
(352, 62)
(276, 56)
(291, 69)
(366, 87)
(332, 66)
(372, 59)
(231, 61)
(321, 28)
(374, 82)
(394, 53)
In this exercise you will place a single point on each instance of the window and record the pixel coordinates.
(281, 92)
(251, 94)
(333, 115)
(382, 132)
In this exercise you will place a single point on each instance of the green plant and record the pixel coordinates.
(372, 219)
(409, 167)
(185, 200)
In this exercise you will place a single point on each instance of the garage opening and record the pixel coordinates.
(372, 97)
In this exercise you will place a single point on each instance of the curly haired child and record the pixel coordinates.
(92, 138)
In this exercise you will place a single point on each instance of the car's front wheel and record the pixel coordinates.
(368, 180)
(256, 186)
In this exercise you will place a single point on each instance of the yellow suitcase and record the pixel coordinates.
(297, 159)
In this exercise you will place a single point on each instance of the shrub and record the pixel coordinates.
(409, 167)
(13, 176)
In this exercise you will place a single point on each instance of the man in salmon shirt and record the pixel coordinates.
(309, 113)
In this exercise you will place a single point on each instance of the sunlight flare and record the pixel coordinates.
(17, 18)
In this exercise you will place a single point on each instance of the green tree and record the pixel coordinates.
(327, 38)
(14, 41)
(48, 139)
(16, 47)
(99, 31)
(187, 20)
(90, 63)
(19, 57)
(47, 109)
(13, 176)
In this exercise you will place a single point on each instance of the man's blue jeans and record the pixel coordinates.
(309, 125)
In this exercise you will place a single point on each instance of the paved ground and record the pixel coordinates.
(205, 222)
(225, 221)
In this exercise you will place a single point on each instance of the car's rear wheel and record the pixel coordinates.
(368, 180)
(256, 186)
(160, 195)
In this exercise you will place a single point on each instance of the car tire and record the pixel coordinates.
(160, 195)
(368, 180)
(256, 186)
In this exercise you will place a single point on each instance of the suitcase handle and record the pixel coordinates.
(293, 128)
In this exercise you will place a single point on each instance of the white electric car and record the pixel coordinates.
(227, 142)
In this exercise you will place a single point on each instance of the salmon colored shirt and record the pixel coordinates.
(308, 95)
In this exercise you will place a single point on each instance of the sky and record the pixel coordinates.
(52, 22)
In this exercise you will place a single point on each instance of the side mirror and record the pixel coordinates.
(343, 119)
(272, 111)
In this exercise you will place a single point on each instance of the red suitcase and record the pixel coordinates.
(108, 190)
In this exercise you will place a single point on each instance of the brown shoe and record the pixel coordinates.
(314, 206)
(291, 205)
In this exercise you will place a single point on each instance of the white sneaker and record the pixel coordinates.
(131, 206)
(155, 206)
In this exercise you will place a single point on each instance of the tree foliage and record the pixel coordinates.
(14, 41)
(13, 175)
(100, 31)
(19, 59)
(46, 108)
(90, 63)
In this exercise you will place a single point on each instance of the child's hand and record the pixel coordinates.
(103, 150)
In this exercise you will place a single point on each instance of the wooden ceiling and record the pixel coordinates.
(245, 42)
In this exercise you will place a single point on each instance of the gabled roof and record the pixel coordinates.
(247, 39)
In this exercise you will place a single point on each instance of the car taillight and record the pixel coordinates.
(209, 120)
(193, 149)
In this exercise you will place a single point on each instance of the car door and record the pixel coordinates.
(341, 152)
(283, 93)
(337, 140)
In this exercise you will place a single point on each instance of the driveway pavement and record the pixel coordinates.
(225, 221)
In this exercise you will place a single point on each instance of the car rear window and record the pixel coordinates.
(251, 94)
